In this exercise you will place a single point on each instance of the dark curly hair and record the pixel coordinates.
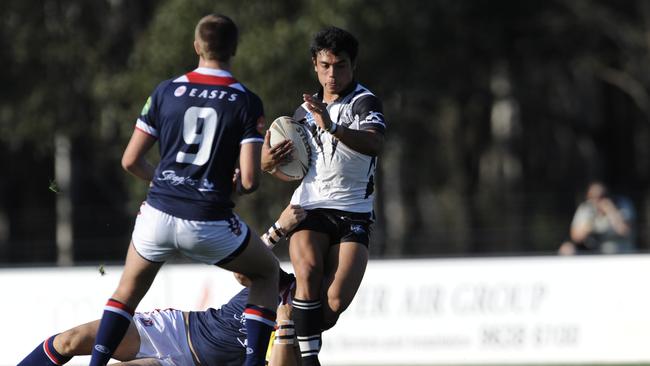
(335, 40)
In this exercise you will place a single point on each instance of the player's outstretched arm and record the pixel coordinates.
(288, 220)
(285, 351)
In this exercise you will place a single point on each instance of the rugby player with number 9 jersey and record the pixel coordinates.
(204, 123)
(347, 126)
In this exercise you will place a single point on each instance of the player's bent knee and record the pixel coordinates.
(335, 306)
(332, 310)
(329, 320)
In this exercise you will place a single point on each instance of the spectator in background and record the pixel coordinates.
(601, 224)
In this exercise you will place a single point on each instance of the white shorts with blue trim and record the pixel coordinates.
(163, 337)
(158, 236)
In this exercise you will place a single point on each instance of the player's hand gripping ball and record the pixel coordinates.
(285, 128)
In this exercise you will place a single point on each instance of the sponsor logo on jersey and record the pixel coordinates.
(102, 349)
(171, 177)
(180, 91)
(374, 117)
(207, 186)
(249, 350)
(146, 107)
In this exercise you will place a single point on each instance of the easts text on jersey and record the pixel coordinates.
(206, 93)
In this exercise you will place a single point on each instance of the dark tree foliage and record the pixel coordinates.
(499, 112)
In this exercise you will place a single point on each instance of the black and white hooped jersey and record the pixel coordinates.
(200, 120)
(341, 178)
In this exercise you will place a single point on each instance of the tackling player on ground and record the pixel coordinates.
(204, 122)
(215, 337)
(347, 128)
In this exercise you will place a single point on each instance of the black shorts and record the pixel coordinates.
(340, 226)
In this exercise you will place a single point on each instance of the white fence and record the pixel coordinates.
(529, 310)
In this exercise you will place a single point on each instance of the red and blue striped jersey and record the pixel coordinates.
(200, 120)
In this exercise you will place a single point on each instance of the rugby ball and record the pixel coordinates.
(285, 128)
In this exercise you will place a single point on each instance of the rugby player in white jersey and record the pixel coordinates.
(204, 121)
(347, 128)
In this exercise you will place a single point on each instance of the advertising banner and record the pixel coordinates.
(519, 310)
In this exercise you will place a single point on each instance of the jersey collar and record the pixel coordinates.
(212, 72)
(208, 76)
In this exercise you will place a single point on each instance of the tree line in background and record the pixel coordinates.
(499, 114)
